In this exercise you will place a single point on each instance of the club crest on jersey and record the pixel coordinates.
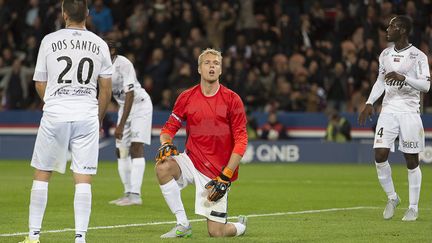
(413, 55)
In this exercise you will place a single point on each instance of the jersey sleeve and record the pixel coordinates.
(378, 87)
(422, 80)
(129, 77)
(106, 68)
(238, 125)
(177, 116)
(41, 72)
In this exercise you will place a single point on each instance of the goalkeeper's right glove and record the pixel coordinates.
(167, 149)
(219, 185)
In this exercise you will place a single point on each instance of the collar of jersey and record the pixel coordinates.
(403, 49)
(210, 95)
(71, 28)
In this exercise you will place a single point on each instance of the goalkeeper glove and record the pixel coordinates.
(167, 149)
(219, 185)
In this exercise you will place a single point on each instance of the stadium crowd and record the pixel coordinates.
(278, 55)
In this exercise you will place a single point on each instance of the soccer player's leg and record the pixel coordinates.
(140, 127)
(136, 175)
(386, 131)
(49, 154)
(216, 212)
(174, 176)
(124, 163)
(84, 146)
(217, 229)
(411, 143)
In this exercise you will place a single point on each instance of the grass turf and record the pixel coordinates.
(261, 189)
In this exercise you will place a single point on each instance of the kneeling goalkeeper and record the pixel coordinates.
(216, 140)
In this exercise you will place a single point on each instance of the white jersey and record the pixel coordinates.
(71, 61)
(400, 97)
(124, 80)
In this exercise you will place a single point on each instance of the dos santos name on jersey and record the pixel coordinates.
(75, 44)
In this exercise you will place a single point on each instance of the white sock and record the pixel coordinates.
(82, 208)
(385, 179)
(38, 202)
(137, 173)
(240, 228)
(124, 169)
(171, 193)
(414, 183)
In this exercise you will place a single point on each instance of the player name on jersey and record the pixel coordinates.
(74, 44)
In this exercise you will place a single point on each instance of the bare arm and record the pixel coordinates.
(126, 111)
(40, 88)
(104, 98)
(234, 161)
(164, 137)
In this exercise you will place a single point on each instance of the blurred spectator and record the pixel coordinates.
(101, 17)
(326, 51)
(251, 126)
(338, 129)
(272, 129)
(15, 85)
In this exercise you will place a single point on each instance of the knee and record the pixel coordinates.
(412, 164)
(163, 169)
(380, 157)
(137, 150)
(216, 233)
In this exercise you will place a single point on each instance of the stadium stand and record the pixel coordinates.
(302, 56)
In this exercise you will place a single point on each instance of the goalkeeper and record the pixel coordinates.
(216, 140)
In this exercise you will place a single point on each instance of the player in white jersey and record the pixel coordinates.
(133, 129)
(71, 63)
(403, 75)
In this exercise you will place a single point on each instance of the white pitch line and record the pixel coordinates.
(197, 220)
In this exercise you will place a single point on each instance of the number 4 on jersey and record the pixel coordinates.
(380, 132)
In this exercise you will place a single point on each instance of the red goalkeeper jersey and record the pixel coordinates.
(215, 127)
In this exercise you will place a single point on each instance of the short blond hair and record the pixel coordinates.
(209, 51)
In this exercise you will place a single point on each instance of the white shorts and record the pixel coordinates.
(138, 125)
(409, 128)
(215, 211)
(54, 139)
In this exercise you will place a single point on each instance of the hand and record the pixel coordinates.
(119, 131)
(166, 150)
(394, 76)
(365, 113)
(219, 185)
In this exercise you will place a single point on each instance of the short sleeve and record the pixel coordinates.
(41, 72)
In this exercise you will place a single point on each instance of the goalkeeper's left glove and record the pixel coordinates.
(219, 185)
(167, 149)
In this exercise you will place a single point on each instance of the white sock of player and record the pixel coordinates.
(137, 173)
(82, 208)
(240, 228)
(38, 202)
(124, 169)
(385, 179)
(171, 193)
(414, 183)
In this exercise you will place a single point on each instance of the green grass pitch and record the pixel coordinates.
(297, 191)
